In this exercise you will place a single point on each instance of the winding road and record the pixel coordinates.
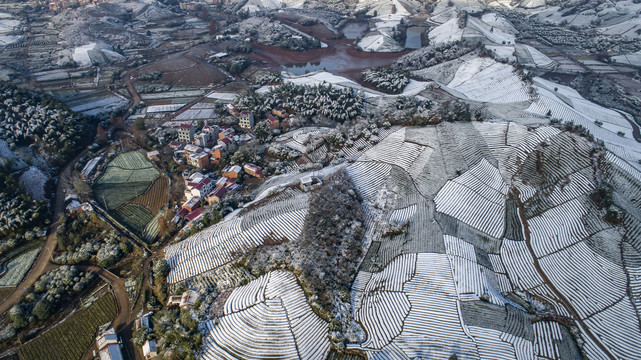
(43, 264)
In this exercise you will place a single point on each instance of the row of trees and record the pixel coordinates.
(387, 79)
(336, 104)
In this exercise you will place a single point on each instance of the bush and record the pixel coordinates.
(386, 78)
(238, 64)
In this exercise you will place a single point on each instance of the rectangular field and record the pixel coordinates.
(70, 339)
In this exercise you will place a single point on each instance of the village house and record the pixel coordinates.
(272, 122)
(231, 108)
(217, 195)
(153, 155)
(149, 349)
(195, 215)
(199, 160)
(253, 170)
(108, 344)
(226, 132)
(246, 120)
(222, 182)
(200, 188)
(309, 182)
(191, 204)
(188, 298)
(217, 152)
(192, 149)
(224, 141)
(143, 322)
(90, 167)
(186, 133)
(202, 139)
(232, 172)
(176, 145)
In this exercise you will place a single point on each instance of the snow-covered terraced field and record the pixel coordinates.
(476, 198)
(432, 328)
(220, 243)
(485, 80)
(269, 318)
(395, 151)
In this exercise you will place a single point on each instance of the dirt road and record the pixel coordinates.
(42, 263)
(560, 297)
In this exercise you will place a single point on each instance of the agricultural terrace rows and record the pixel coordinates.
(134, 215)
(220, 243)
(485, 80)
(134, 191)
(71, 338)
(401, 322)
(269, 318)
(18, 267)
(476, 198)
(156, 197)
(394, 150)
(596, 288)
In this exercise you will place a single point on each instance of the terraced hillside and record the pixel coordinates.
(500, 227)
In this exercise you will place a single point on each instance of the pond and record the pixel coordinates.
(413, 40)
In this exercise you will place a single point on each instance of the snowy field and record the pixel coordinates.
(8, 24)
(18, 267)
(269, 318)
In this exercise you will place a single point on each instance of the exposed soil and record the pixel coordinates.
(184, 69)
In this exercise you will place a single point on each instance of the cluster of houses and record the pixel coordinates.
(201, 188)
(205, 147)
(246, 118)
(143, 323)
(57, 5)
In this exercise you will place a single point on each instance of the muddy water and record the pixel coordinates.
(340, 57)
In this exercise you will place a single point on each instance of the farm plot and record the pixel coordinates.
(156, 197)
(476, 198)
(269, 318)
(18, 267)
(71, 338)
(432, 328)
(220, 243)
(483, 79)
(134, 191)
(134, 215)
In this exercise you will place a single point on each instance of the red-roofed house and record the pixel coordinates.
(217, 195)
(192, 204)
(195, 215)
(272, 122)
(202, 188)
